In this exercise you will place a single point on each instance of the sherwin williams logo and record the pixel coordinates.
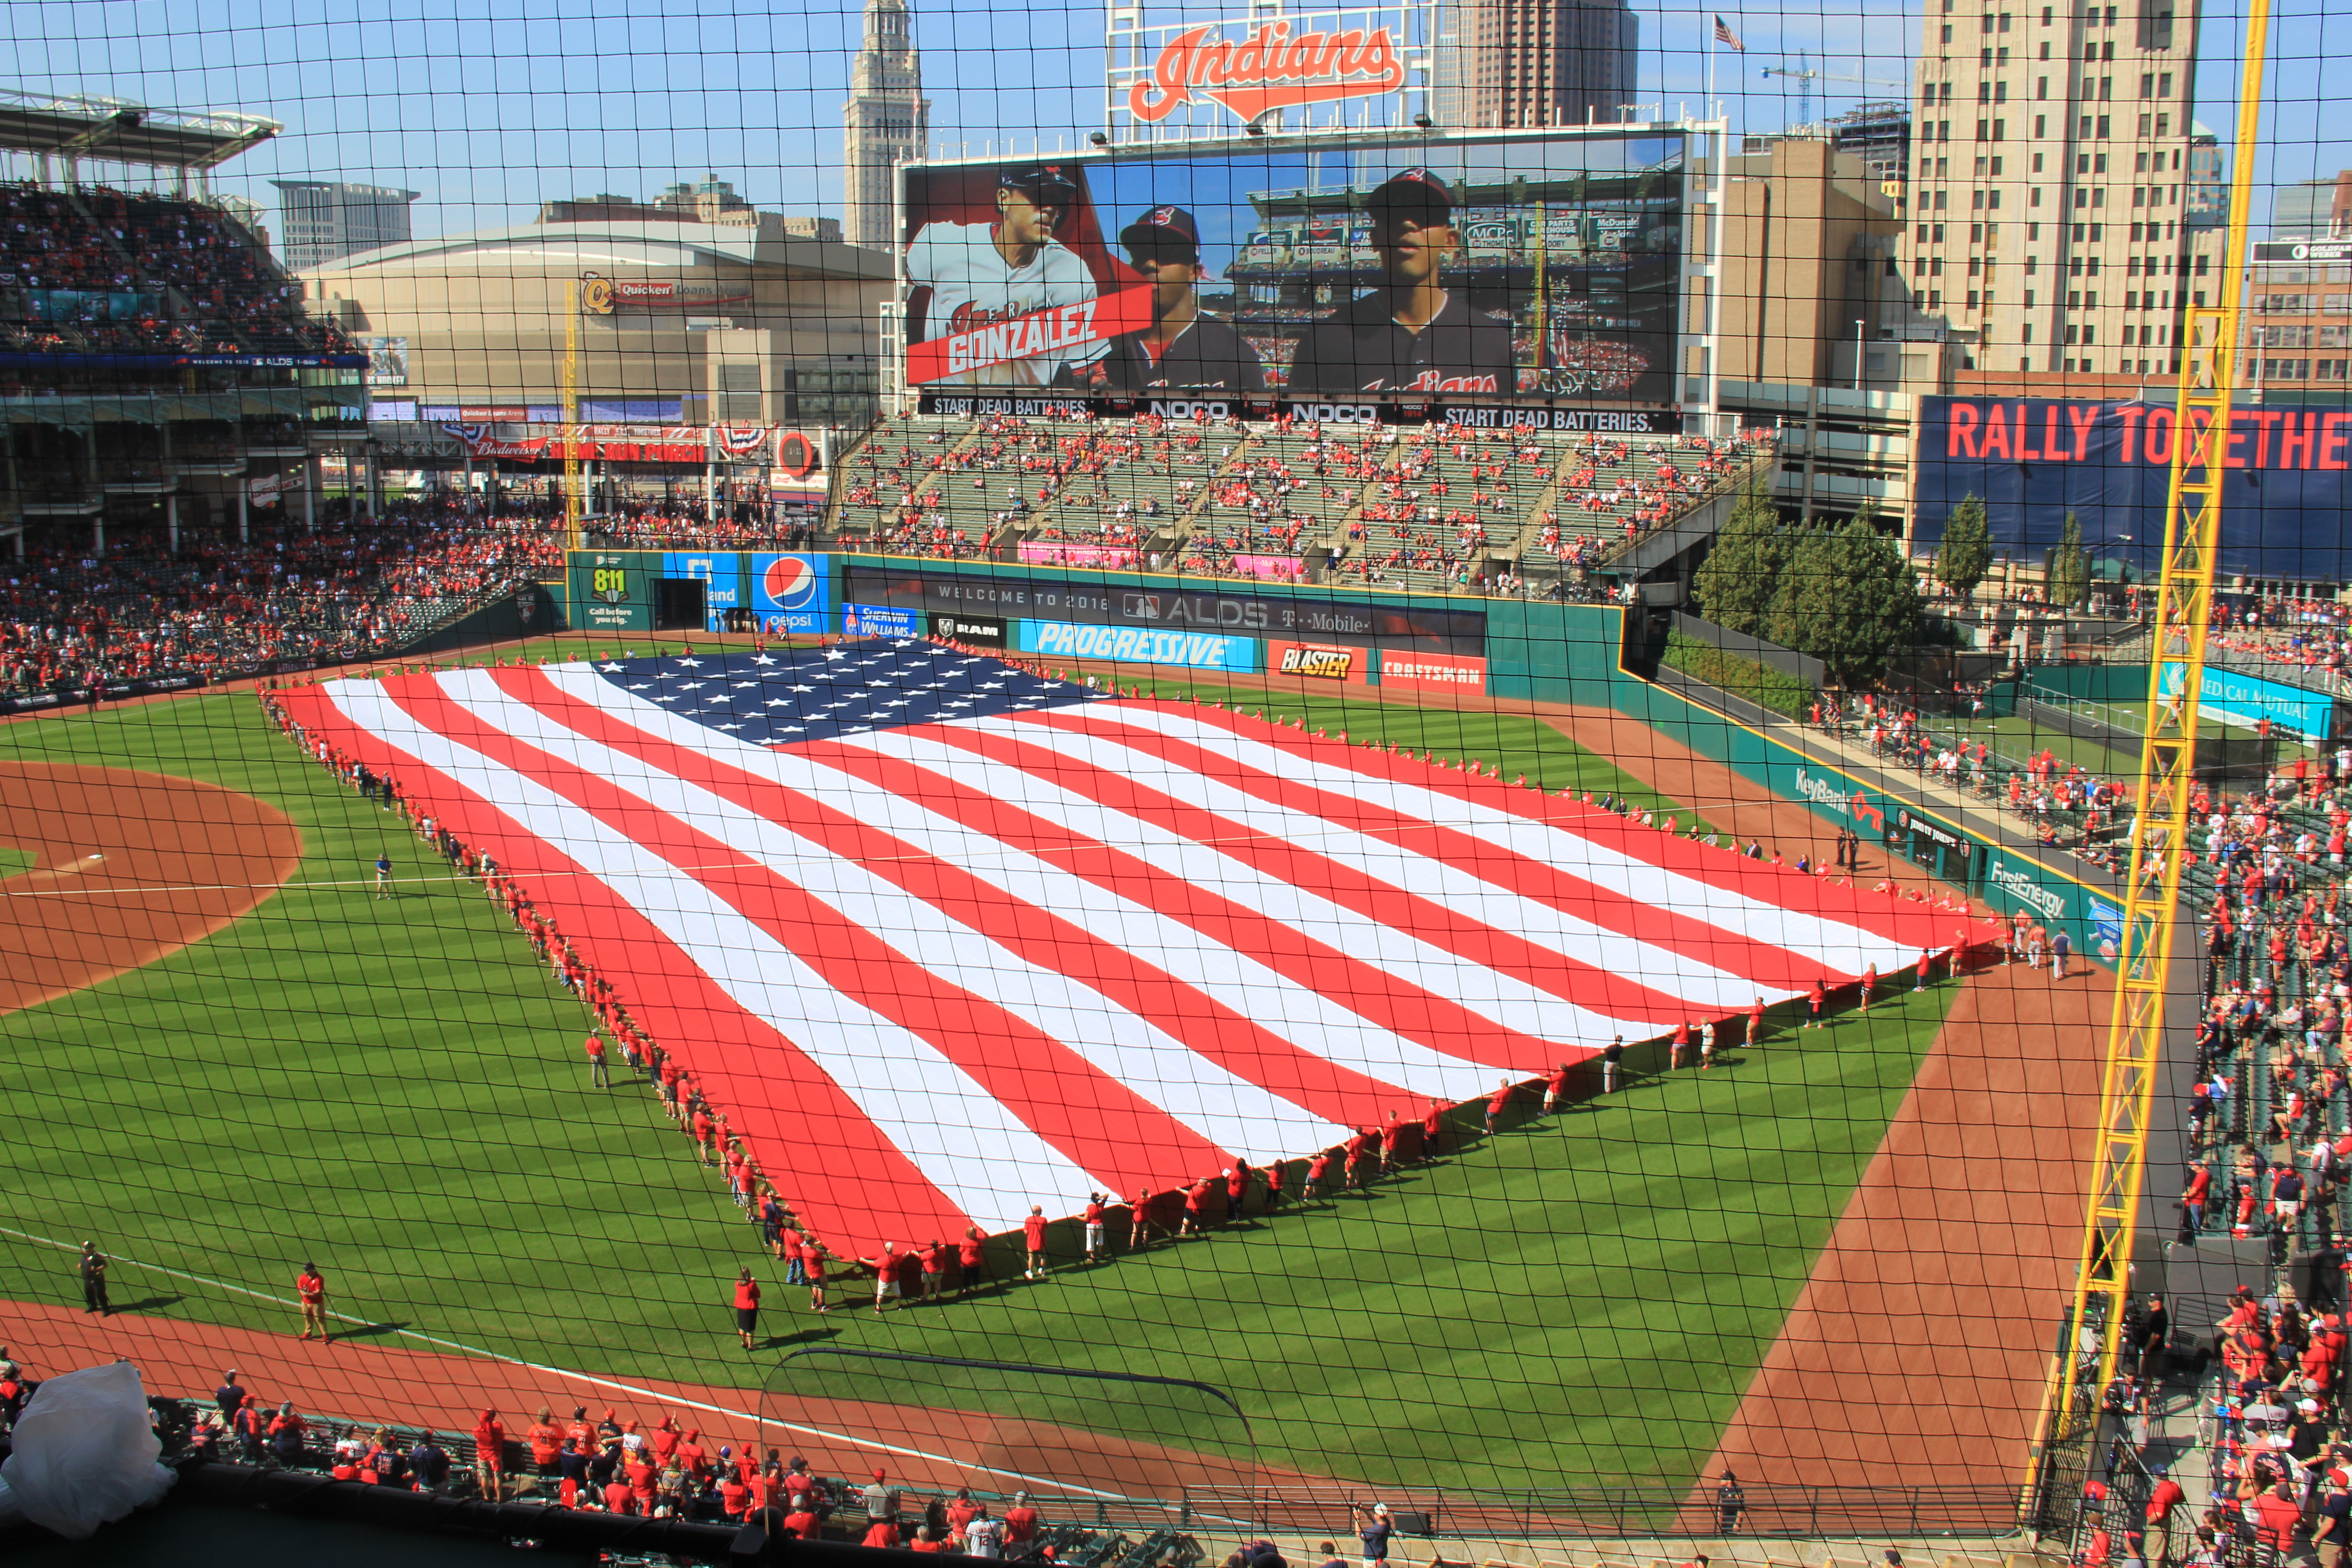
(2019, 885)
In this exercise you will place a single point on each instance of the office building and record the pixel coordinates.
(2048, 215)
(886, 123)
(1512, 64)
(1879, 135)
(326, 220)
(2313, 209)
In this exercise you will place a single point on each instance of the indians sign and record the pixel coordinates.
(1269, 69)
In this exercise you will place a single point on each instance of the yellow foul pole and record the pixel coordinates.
(2200, 440)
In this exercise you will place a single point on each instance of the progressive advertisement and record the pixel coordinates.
(1137, 645)
(1355, 277)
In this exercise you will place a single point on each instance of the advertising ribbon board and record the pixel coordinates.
(1448, 671)
(1320, 662)
(791, 594)
(1138, 645)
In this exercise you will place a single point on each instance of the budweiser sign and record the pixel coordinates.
(1270, 69)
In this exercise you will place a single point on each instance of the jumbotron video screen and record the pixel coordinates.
(1349, 268)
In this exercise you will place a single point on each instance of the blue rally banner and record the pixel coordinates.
(2284, 499)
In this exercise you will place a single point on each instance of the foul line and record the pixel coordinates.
(756, 1420)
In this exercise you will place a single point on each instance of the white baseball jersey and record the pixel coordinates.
(972, 286)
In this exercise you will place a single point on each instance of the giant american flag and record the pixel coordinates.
(946, 938)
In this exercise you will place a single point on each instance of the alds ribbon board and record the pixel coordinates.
(1543, 269)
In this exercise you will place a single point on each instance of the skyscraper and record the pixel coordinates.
(1509, 64)
(326, 220)
(2048, 225)
(885, 121)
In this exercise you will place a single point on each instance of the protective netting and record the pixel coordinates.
(1222, 767)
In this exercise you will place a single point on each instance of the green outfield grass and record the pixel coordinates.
(395, 1089)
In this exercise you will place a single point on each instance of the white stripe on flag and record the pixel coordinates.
(1487, 903)
(1226, 1110)
(1847, 949)
(1305, 1017)
(1509, 1002)
(983, 1157)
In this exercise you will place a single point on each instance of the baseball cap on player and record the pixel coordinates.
(1162, 228)
(1047, 184)
(1414, 188)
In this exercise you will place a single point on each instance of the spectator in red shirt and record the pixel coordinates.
(881, 1532)
(489, 1455)
(1020, 1524)
(1094, 1222)
(1033, 1232)
(1237, 1177)
(747, 1307)
(1555, 1088)
(933, 1259)
(598, 1076)
(546, 1440)
(311, 1286)
(1318, 1169)
(2277, 1515)
(972, 1260)
(1431, 1122)
(1495, 1103)
(1756, 1023)
(801, 1518)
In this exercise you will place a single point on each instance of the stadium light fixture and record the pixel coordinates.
(1424, 122)
(1099, 139)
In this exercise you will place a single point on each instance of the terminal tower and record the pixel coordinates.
(887, 121)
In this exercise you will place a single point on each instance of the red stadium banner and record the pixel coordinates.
(1454, 672)
(1056, 331)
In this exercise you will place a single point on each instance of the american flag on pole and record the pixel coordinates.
(1723, 34)
(945, 937)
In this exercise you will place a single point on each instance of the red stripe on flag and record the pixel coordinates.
(1568, 978)
(1097, 1122)
(841, 1174)
(1233, 1042)
(1897, 920)
(1733, 951)
(1403, 1009)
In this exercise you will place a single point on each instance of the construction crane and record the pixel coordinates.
(2085, 1364)
(1804, 75)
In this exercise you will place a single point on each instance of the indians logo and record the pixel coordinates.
(792, 583)
(1270, 69)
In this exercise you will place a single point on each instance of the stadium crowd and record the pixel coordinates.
(71, 622)
(101, 270)
(661, 1467)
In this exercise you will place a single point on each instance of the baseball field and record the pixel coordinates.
(395, 1088)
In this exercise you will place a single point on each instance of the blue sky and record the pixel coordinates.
(488, 107)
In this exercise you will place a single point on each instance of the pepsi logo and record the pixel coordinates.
(791, 582)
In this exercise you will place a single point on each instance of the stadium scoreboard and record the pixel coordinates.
(1346, 278)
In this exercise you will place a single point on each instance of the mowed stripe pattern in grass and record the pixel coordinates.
(397, 1089)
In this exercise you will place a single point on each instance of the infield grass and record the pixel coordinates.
(395, 1089)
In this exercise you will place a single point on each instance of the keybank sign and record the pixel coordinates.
(1829, 797)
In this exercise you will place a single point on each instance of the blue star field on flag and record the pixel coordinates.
(791, 695)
